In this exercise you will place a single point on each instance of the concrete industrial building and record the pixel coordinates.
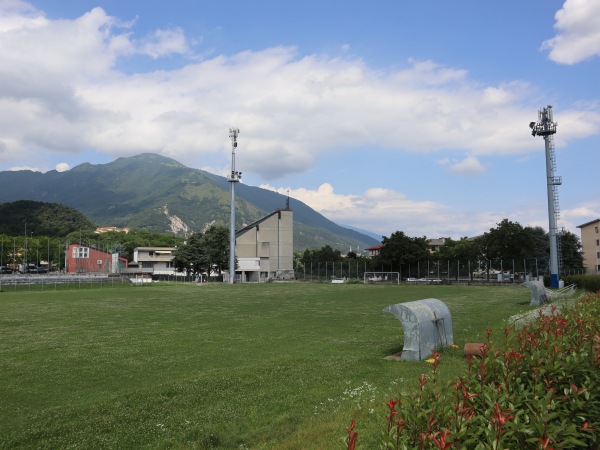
(265, 248)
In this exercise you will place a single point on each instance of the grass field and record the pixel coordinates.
(265, 366)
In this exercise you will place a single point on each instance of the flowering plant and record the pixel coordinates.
(539, 389)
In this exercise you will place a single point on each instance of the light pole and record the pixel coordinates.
(233, 178)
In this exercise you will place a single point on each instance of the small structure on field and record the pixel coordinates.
(427, 326)
(538, 292)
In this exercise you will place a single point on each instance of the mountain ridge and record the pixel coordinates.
(154, 192)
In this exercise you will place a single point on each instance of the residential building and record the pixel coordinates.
(374, 251)
(154, 260)
(590, 242)
(265, 248)
(433, 245)
(82, 259)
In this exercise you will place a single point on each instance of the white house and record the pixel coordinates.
(154, 260)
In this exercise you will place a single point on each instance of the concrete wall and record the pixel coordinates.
(590, 240)
(271, 240)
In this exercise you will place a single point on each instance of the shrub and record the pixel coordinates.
(590, 283)
(538, 389)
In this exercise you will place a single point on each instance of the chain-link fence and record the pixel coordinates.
(445, 271)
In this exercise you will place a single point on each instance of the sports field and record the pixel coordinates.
(266, 366)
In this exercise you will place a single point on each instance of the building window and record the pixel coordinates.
(81, 252)
(596, 228)
(151, 253)
(597, 242)
(147, 265)
(169, 264)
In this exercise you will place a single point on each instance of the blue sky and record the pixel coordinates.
(383, 115)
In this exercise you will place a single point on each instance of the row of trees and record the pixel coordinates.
(209, 252)
(509, 241)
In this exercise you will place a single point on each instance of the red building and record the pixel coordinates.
(80, 259)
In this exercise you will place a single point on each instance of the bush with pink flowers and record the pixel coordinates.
(537, 387)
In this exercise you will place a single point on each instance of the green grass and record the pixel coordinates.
(262, 366)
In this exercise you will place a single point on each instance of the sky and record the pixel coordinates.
(388, 115)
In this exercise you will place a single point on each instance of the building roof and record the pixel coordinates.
(588, 223)
(259, 221)
(438, 241)
(375, 247)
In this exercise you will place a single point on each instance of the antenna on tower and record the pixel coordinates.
(546, 127)
(287, 202)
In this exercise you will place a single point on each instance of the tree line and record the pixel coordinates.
(209, 251)
(508, 242)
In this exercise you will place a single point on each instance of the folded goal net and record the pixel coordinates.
(382, 277)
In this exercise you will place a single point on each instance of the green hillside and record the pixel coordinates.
(159, 194)
(43, 219)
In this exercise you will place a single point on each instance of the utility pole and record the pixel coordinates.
(233, 178)
(546, 127)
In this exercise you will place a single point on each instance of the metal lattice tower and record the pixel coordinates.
(546, 127)
(233, 178)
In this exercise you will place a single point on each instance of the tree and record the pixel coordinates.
(509, 241)
(215, 245)
(191, 257)
(323, 254)
(208, 252)
(464, 249)
(571, 252)
(399, 250)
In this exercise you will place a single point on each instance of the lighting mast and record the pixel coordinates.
(233, 178)
(546, 127)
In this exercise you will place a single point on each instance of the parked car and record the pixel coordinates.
(32, 268)
(4, 269)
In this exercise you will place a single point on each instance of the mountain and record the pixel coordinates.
(157, 193)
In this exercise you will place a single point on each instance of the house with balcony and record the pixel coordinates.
(154, 260)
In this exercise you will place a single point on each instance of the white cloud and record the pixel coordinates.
(33, 169)
(578, 32)
(468, 166)
(384, 211)
(584, 212)
(61, 92)
(164, 42)
(62, 167)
